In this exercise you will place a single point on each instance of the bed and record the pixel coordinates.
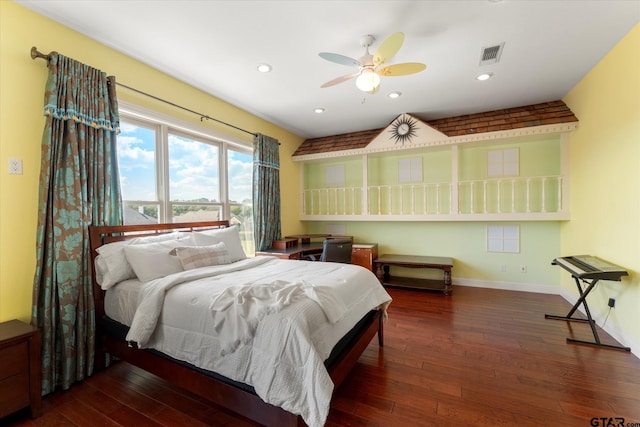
(266, 338)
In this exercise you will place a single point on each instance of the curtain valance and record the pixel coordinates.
(81, 93)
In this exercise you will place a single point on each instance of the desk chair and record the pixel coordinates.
(335, 250)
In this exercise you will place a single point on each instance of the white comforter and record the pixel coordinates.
(263, 321)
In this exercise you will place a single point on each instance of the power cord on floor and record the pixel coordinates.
(605, 319)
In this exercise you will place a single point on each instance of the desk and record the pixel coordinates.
(293, 252)
(384, 262)
(361, 253)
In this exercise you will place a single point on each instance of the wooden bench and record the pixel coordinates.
(384, 262)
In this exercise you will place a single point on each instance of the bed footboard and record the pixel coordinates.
(233, 398)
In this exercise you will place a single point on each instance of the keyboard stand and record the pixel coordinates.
(583, 300)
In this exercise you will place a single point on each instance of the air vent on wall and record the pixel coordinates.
(491, 54)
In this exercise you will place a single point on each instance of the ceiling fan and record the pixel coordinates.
(368, 75)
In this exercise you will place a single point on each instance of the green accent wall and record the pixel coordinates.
(466, 243)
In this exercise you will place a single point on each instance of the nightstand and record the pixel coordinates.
(20, 370)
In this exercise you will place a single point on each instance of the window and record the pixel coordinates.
(194, 179)
(503, 238)
(503, 163)
(335, 176)
(240, 194)
(410, 170)
(172, 171)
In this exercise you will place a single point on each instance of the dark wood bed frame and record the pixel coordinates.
(225, 394)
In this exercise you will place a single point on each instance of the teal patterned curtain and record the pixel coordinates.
(266, 191)
(79, 187)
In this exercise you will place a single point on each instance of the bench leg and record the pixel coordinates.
(448, 289)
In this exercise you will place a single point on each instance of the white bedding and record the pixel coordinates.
(280, 343)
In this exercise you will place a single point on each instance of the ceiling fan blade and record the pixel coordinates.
(388, 48)
(339, 80)
(402, 69)
(339, 59)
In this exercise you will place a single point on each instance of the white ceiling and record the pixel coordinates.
(216, 46)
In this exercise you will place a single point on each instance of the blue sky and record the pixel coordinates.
(193, 167)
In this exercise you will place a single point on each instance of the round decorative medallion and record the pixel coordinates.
(404, 128)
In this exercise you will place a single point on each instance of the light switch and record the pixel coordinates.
(15, 166)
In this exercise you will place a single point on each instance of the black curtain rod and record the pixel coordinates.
(36, 54)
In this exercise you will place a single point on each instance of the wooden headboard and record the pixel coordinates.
(103, 234)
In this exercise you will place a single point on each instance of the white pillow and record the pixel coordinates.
(112, 266)
(191, 257)
(230, 236)
(153, 260)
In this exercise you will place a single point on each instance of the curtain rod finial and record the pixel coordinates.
(35, 54)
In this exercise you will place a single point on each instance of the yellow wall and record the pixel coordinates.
(605, 179)
(22, 82)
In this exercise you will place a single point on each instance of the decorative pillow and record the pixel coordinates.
(153, 260)
(112, 266)
(191, 257)
(230, 236)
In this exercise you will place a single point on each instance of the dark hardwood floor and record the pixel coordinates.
(479, 358)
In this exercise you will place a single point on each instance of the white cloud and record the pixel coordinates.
(129, 148)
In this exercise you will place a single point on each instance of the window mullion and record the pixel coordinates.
(162, 173)
(224, 184)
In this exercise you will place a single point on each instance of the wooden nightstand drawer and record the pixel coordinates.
(14, 393)
(15, 359)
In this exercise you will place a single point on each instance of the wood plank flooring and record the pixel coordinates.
(479, 358)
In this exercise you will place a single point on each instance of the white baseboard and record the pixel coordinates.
(508, 286)
(615, 332)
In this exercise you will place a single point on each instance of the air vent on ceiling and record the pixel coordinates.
(491, 54)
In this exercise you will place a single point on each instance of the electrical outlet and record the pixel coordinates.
(503, 268)
(15, 166)
(523, 269)
(612, 302)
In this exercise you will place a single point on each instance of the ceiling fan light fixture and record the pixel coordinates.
(368, 75)
(368, 81)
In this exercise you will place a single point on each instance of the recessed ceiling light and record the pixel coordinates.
(319, 110)
(485, 76)
(394, 95)
(264, 68)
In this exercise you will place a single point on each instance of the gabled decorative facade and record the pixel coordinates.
(509, 164)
